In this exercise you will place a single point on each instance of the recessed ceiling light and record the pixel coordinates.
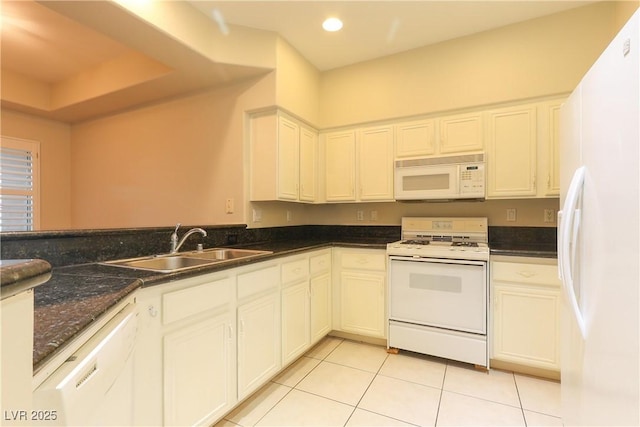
(332, 24)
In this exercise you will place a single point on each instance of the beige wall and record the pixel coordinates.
(529, 212)
(173, 162)
(55, 164)
(535, 58)
(297, 84)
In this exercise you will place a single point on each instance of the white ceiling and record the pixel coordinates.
(374, 29)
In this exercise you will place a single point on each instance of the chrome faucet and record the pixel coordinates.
(175, 245)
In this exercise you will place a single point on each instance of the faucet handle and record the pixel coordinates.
(176, 230)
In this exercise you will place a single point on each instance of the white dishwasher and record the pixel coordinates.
(94, 387)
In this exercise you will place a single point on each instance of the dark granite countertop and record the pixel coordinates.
(525, 250)
(77, 295)
(20, 275)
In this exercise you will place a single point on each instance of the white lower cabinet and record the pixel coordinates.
(205, 343)
(306, 302)
(295, 321)
(526, 312)
(320, 285)
(359, 291)
(258, 328)
(184, 365)
(198, 371)
(296, 331)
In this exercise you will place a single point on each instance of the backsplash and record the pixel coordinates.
(523, 238)
(62, 248)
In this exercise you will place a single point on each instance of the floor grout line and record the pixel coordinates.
(375, 376)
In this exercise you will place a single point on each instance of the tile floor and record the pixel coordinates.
(345, 383)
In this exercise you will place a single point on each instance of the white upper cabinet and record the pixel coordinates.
(308, 170)
(523, 151)
(289, 162)
(511, 152)
(283, 158)
(461, 133)
(375, 163)
(288, 159)
(359, 165)
(416, 138)
(549, 148)
(340, 166)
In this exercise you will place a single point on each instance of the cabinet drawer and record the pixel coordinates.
(295, 270)
(525, 273)
(364, 261)
(258, 281)
(188, 302)
(320, 263)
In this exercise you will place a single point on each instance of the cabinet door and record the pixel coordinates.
(460, 133)
(340, 166)
(258, 343)
(308, 164)
(288, 159)
(375, 163)
(320, 307)
(415, 139)
(526, 326)
(362, 303)
(511, 161)
(199, 372)
(549, 171)
(295, 321)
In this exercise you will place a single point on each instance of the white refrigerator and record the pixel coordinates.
(599, 238)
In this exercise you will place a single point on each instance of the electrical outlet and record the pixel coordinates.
(229, 206)
(360, 215)
(374, 215)
(549, 215)
(511, 214)
(288, 216)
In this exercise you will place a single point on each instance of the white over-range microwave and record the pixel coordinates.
(440, 178)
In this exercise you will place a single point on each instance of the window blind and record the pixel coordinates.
(19, 173)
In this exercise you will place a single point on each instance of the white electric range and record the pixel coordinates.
(438, 288)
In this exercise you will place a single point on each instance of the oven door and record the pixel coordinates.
(450, 294)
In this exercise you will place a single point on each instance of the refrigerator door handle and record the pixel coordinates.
(567, 239)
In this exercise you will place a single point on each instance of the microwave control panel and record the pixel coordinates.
(472, 179)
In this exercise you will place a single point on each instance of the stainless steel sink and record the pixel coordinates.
(185, 260)
(223, 254)
(162, 264)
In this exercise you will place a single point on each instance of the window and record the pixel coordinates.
(19, 184)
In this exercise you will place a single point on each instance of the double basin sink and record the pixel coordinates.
(170, 263)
